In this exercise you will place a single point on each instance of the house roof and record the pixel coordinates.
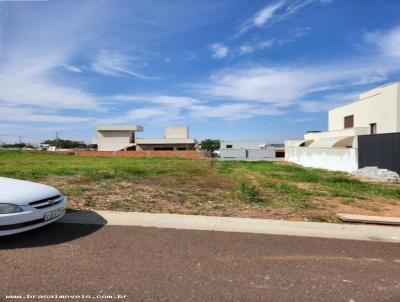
(341, 141)
(119, 128)
(162, 141)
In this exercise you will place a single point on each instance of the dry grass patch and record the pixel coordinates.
(243, 189)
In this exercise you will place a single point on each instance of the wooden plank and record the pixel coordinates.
(369, 219)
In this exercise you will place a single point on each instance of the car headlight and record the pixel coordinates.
(6, 208)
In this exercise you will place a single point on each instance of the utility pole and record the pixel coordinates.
(20, 142)
(56, 140)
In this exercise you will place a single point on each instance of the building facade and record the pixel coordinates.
(118, 138)
(250, 150)
(175, 139)
(376, 111)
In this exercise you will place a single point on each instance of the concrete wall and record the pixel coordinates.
(380, 106)
(337, 133)
(183, 154)
(177, 132)
(261, 153)
(242, 144)
(233, 153)
(175, 147)
(337, 159)
(251, 154)
(112, 140)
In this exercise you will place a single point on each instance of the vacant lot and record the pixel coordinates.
(245, 189)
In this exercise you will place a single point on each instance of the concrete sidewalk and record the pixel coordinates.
(242, 225)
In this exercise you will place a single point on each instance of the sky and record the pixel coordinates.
(255, 70)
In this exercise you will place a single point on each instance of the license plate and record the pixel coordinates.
(53, 214)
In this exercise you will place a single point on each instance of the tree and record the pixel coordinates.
(65, 144)
(210, 145)
(16, 145)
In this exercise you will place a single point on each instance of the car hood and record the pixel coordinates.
(21, 192)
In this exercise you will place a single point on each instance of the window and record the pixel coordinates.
(228, 146)
(372, 128)
(349, 121)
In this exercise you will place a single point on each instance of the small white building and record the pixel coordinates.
(249, 150)
(115, 138)
(176, 139)
(241, 144)
(376, 111)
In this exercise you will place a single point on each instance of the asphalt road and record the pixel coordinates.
(149, 264)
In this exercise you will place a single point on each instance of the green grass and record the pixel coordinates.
(249, 193)
(279, 184)
(297, 203)
(287, 188)
(71, 190)
(38, 166)
(195, 184)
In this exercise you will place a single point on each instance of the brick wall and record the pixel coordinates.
(183, 154)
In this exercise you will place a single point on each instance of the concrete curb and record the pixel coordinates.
(242, 225)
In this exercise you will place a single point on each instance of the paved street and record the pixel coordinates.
(150, 264)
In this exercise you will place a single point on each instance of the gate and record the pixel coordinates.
(380, 150)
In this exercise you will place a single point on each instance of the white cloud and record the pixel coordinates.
(236, 111)
(317, 106)
(219, 50)
(30, 73)
(249, 49)
(265, 44)
(115, 64)
(246, 49)
(168, 100)
(146, 113)
(269, 13)
(12, 113)
(71, 68)
(297, 5)
(156, 115)
(30, 82)
(261, 17)
(387, 42)
(301, 120)
(278, 86)
(265, 14)
(299, 32)
(185, 108)
(328, 101)
(285, 86)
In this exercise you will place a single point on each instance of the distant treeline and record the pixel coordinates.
(16, 146)
(59, 143)
(67, 144)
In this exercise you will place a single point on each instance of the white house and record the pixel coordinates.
(376, 111)
(176, 139)
(116, 138)
(241, 144)
(250, 150)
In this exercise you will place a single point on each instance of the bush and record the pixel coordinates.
(249, 193)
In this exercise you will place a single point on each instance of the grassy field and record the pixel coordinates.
(230, 188)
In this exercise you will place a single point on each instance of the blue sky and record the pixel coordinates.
(238, 69)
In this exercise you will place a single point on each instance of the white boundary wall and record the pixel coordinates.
(337, 159)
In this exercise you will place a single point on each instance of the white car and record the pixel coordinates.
(26, 205)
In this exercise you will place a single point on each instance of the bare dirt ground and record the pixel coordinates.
(209, 198)
(277, 190)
